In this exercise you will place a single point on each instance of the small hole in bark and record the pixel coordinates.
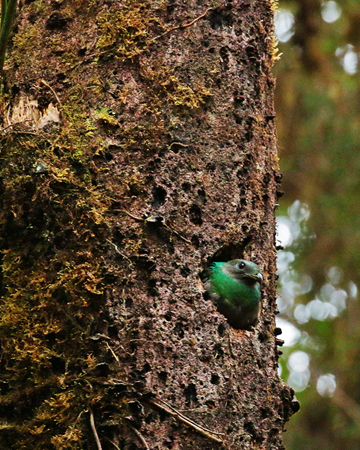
(274, 432)
(263, 337)
(144, 263)
(195, 215)
(219, 19)
(146, 368)
(58, 365)
(249, 135)
(205, 359)
(163, 375)
(108, 156)
(112, 332)
(241, 174)
(243, 201)
(186, 186)
(135, 407)
(195, 241)
(178, 329)
(221, 329)
(224, 53)
(185, 271)
(56, 21)
(152, 288)
(239, 102)
(128, 302)
(250, 51)
(102, 369)
(190, 394)
(202, 195)
(118, 388)
(159, 196)
(152, 417)
(176, 147)
(219, 227)
(210, 404)
(171, 248)
(215, 379)
(250, 428)
(218, 351)
(15, 89)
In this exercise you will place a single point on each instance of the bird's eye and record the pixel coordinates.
(241, 265)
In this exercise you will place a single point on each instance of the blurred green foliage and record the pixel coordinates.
(318, 120)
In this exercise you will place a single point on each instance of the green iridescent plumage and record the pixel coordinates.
(234, 287)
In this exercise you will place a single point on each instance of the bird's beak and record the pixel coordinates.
(258, 277)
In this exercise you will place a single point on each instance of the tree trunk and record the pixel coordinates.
(137, 147)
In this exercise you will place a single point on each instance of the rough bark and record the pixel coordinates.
(150, 152)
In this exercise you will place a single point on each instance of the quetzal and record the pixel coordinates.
(235, 288)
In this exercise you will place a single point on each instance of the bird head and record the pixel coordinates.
(243, 270)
